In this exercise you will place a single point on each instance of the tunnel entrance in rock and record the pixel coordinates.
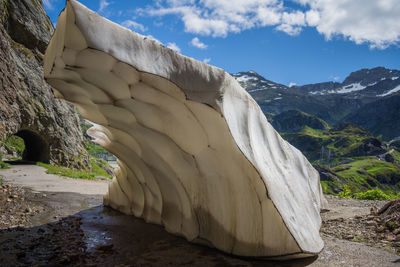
(28, 146)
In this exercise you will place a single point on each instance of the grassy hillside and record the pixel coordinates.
(350, 160)
(359, 175)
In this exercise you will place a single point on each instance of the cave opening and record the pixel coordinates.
(28, 146)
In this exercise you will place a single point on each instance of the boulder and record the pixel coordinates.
(196, 153)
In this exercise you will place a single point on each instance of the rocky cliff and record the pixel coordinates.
(294, 121)
(49, 127)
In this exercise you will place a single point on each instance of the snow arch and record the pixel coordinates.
(196, 153)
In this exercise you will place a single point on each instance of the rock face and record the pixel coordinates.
(293, 121)
(49, 127)
(381, 117)
(196, 153)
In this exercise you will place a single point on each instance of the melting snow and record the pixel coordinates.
(245, 78)
(277, 98)
(394, 90)
(316, 93)
(394, 78)
(349, 88)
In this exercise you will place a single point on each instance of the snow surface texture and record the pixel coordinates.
(196, 154)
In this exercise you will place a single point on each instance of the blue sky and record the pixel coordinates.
(290, 42)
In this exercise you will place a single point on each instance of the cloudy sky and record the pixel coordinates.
(290, 41)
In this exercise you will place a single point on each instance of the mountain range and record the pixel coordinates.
(367, 97)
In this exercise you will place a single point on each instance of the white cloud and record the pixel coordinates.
(197, 43)
(312, 17)
(103, 5)
(289, 29)
(294, 18)
(207, 60)
(375, 22)
(47, 4)
(291, 84)
(134, 25)
(218, 18)
(174, 46)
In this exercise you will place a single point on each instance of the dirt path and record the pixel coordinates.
(35, 177)
(59, 221)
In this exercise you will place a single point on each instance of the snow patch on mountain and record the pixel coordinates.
(317, 93)
(349, 88)
(344, 89)
(245, 78)
(394, 90)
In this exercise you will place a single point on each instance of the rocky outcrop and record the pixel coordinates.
(49, 127)
(196, 154)
(381, 117)
(294, 121)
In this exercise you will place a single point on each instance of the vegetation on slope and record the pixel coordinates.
(351, 161)
(16, 144)
(359, 175)
(373, 194)
(344, 140)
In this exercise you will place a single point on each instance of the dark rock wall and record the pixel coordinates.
(27, 105)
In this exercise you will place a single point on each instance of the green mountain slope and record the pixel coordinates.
(344, 140)
(348, 157)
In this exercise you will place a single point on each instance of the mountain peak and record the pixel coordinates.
(252, 81)
(366, 77)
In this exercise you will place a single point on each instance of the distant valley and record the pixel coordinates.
(349, 131)
(368, 97)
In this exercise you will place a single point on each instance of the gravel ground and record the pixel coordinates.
(43, 228)
(379, 228)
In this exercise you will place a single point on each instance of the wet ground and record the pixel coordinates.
(94, 235)
(74, 229)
